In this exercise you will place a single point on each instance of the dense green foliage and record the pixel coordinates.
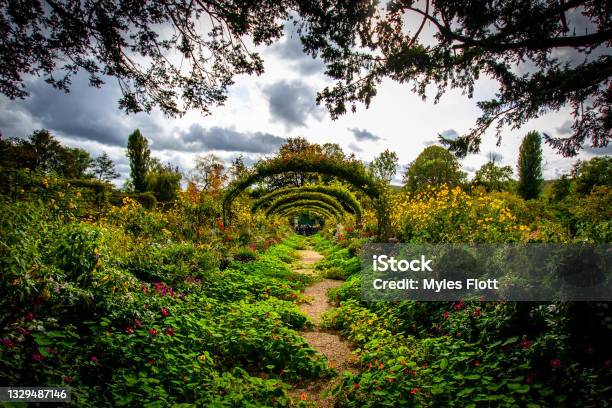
(530, 166)
(127, 316)
(466, 353)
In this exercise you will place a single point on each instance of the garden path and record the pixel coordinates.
(327, 342)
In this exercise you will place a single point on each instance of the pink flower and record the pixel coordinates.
(94, 359)
(137, 323)
(30, 316)
(555, 363)
(477, 312)
(530, 378)
(445, 314)
(170, 331)
(164, 312)
(525, 343)
(607, 363)
(67, 378)
(37, 357)
(153, 332)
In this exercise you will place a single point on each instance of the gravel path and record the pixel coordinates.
(328, 343)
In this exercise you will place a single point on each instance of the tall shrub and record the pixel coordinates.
(139, 154)
(530, 166)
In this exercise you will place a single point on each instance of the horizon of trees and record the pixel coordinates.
(435, 165)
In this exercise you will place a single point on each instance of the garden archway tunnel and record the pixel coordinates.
(342, 195)
(351, 172)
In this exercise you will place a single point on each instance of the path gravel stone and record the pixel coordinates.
(327, 342)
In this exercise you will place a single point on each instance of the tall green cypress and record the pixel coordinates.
(530, 166)
(139, 154)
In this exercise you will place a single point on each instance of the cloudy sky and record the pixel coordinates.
(261, 112)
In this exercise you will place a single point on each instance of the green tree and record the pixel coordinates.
(164, 181)
(297, 146)
(493, 177)
(530, 166)
(104, 168)
(591, 173)
(140, 156)
(435, 166)
(362, 45)
(42, 152)
(384, 166)
(75, 163)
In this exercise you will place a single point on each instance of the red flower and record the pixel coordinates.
(356, 385)
(414, 391)
(477, 312)
(170, 331)
(445, 314)
(555, 363)
(152, 362)
(164, 312)
(37, 357)
(153, 332)
(137, 323)
(525, 343)
(94, 359)
(30, 316)
(67, 378)
(129, 330)
(7, 343)
(23, 330)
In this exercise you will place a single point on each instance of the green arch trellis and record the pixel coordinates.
(301, 203)
(352, 172)
(299, 210)
(294, 197)
(344, 196)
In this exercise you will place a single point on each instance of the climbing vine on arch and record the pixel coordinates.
(305, 202)
(298, 196)
(307, 209)
(350, 171)
(343, 195)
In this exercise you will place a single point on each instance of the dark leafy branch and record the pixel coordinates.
(472, 39)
